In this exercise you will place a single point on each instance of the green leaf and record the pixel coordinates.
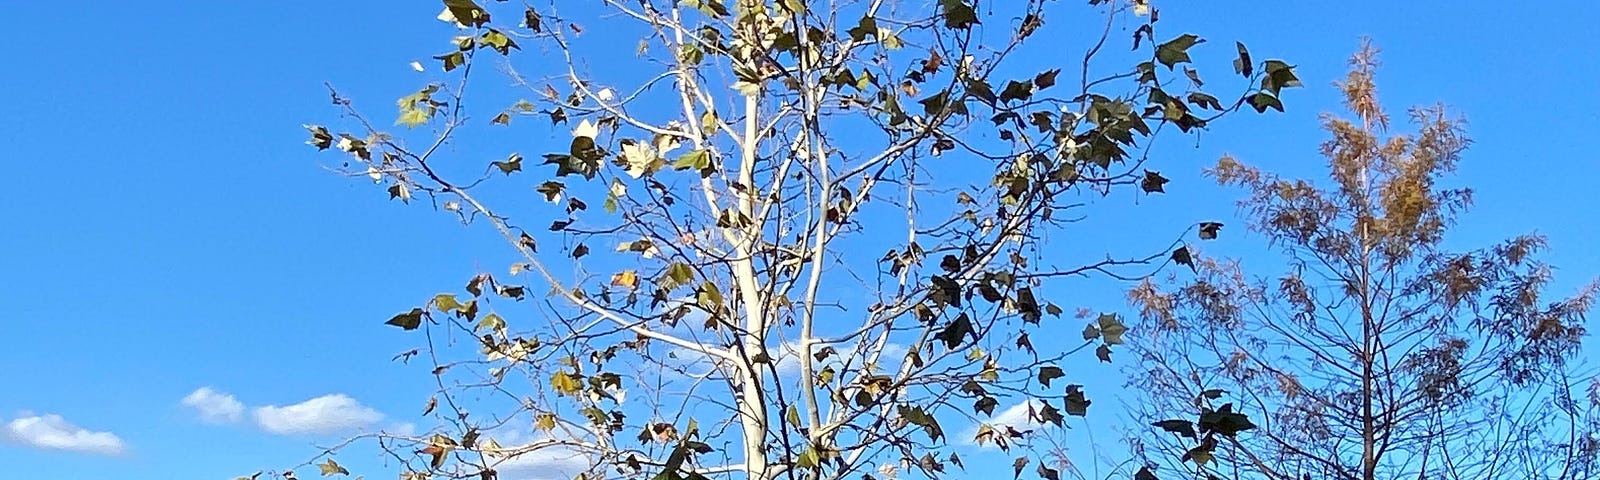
(713, 8)
(690, 54)
(1048, 473)
(512, 164)
(1261, 101)
(491, 322)
(551, 190)
(1224, 421)
(1181, 257)
(808, 459)
(466, 13)
(699, 160)
(919, 417)
(1049, 414)
(564, 383)
(677, 275)
(1176, 50)
(868, 25)
(1194, 76)
(709, 296)
(475, 286)
(985, 405)
(400, 191)
(1028, 306)
(532, 20)
(320, 137)
(1279, 76)
(977, 88)
(446, 303)
(1048, 373)
(570, 165)
(1046, 79)
(498, 41)
(956, 331)
(935, 104)
(417, 108)
(452, 60)
(1077, 404)
(793, 416)
(945, 291)
(1180, 427)
(1243, 65)
(793, 6)
(1203, 100)
(1199, 455)
(958, 15)
(331, 467)
(1147, 72)
(1153, 182)
(1103, 352)
(407, 321)
(1111, 328)
(1016, 90)
(950, 264)
(413, 117)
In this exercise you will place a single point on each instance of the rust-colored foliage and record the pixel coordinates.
(1372, 352)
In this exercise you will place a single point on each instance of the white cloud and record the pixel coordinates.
(51, 432)
(403, 429)
(214, 407)
(1015, 416)
(322, 415)
(889, 358)
(554, 463)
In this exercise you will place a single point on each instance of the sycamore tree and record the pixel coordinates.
(1368, 349)
(757, 239)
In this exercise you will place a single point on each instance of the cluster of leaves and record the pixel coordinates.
(726, 272)
(1376, 349)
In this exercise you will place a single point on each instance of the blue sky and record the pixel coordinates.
(167, 230)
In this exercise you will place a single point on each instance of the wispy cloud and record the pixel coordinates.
(889, 357)
(322, 415)
(51, 432)
(1016, 416)
(215, 407)
(552, 463)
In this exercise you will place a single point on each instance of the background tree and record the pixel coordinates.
(1376, 353)
(778, 239)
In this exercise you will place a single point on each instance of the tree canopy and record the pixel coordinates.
(1367, 349)
(775, 239)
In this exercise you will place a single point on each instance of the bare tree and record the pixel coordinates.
(1376, 353)
(780, 239)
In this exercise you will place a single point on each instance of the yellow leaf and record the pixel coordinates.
(625, 278)
(564, 383)
(331, 467)
(545, 422)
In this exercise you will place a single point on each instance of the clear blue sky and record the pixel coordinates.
(165, 229)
